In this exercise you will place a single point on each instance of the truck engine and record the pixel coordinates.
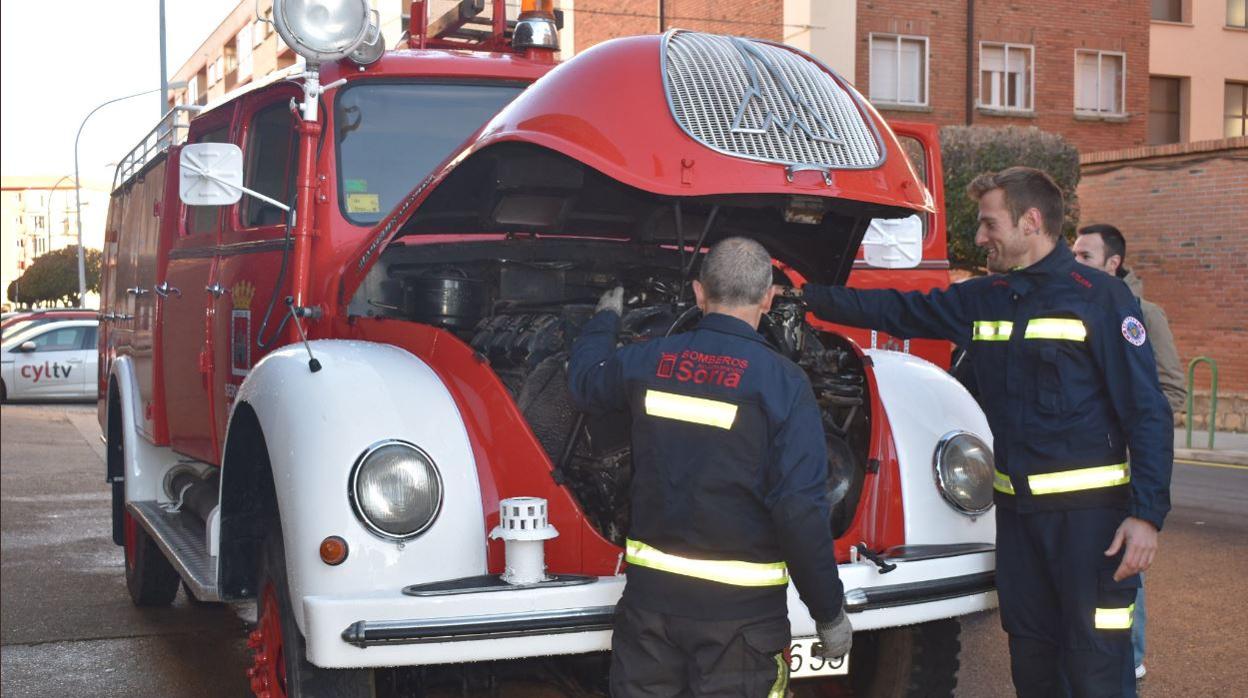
(521, 312)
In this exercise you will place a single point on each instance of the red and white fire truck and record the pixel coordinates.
(337, 308)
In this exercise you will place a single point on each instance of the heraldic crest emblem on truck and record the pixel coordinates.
(337, 311)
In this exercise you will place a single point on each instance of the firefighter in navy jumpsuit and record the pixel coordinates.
(729, 501)
(1067, 380)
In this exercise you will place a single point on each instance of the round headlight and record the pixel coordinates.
(396, 490)
(321, 30)
(964, 471)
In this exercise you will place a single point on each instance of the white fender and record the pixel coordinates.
(145, 464)
(923, 403)
(317, 425)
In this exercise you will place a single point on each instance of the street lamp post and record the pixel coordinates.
(48, 214)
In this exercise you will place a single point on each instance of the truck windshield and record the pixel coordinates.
(390, 135)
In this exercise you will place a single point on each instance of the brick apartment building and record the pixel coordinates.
(1070, 67)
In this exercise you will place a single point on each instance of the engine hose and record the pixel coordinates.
(569, 448)
(681, 319)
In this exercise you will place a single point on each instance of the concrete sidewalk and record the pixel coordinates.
(1230, 448)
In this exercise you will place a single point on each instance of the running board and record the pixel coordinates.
(183, 546)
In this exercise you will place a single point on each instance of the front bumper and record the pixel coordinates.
(392, 629)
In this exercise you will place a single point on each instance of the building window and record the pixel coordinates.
(1237, 13)
(1168, 10)
(242, 50)
(1236, 109)
(1100, 80)
(229, 54)
(899, 69)
(1164, 110)
(1005, 76)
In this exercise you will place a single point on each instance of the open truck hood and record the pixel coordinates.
(664, 139)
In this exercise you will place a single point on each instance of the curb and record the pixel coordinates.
(1207, 456)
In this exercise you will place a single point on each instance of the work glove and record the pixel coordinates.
(836, 637)
(612, 300)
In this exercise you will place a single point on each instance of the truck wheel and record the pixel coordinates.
(280, 668)
(150, 578)
(916, 661)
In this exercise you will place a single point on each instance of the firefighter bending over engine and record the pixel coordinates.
(728, 494)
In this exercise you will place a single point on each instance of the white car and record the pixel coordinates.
(55, 361)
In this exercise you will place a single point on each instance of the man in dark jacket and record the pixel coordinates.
(729, 492)
(1102, 246)
(1067, 380)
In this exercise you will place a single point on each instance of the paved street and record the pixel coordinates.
(67, 623)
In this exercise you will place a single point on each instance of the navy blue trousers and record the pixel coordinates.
(1068, 621)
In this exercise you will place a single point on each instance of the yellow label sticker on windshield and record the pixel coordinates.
(363, 203)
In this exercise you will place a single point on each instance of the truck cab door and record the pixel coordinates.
(921, 146)
(185, 343)
(247, 316)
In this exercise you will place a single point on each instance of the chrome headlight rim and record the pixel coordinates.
(358, 508)
(938, 473)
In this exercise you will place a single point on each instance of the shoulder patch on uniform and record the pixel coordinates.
(1133, 330)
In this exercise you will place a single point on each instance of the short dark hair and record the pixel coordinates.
(737, 271)
(1115, 243)
(1025, 188)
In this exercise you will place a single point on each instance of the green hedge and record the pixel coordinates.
(967, 151)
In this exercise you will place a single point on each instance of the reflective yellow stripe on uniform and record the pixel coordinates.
(992, 330)
(1068, 480)
(698, 410)
(1055, 328)
(744, 574)
(780, 689)
(1083, 479)
(1114, 618)
(1001, 482)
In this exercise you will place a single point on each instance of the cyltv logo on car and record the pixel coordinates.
(48, 370)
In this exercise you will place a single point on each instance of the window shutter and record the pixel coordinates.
(884, 69)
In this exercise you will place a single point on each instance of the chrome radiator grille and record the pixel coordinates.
(755, 100)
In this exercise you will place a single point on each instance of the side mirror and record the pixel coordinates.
(894, 243)
(210, 174)
(27, 347)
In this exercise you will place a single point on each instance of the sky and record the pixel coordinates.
(59, 59)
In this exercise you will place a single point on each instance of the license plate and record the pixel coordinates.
(802, 663)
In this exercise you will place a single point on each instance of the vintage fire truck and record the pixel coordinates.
(337, 309)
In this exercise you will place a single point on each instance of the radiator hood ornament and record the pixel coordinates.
(758, 104)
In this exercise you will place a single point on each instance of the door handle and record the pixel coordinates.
(137, 291)
(217, 290)
(164, 289)
(123, 317)
(108, 316)
(73, 361)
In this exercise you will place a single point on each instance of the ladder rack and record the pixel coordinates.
(169, 131)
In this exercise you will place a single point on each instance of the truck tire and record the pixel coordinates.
(915, 661)
(150, 578)
(280, 668)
